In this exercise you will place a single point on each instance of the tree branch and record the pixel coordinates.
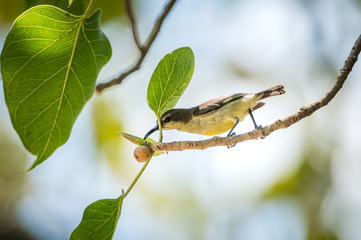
(129, 11)
(142, 48)
(279, 124)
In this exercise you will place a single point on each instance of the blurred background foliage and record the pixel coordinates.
(13, 185)
(309, 185)
(300, 183)
(9, 11)
(106, 128)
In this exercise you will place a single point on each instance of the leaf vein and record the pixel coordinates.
(36, 54)
(63, 91)
(34, 90)
(81, 85)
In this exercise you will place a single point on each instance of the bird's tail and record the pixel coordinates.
(273, 91)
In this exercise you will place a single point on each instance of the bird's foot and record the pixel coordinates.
(260, 127)
(231, 134)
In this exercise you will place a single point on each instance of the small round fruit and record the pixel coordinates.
(142, 153)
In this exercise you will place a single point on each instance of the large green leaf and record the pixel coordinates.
(170, 79)
(99, 220)
(50, 62)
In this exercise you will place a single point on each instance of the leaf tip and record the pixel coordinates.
(32, 167)
(132, 138)
(36, 163)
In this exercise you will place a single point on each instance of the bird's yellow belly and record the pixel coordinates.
(208, 126)
(217, 128)
(217, 122)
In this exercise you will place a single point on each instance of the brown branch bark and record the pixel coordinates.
(279, 124)
(142, 48)
(130, 14)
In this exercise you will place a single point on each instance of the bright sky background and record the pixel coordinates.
(216, 193)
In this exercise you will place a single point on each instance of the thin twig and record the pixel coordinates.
(279, 124)
(143, 48)
(129, 11)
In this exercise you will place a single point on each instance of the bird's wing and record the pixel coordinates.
(259, 105)
(216, 103)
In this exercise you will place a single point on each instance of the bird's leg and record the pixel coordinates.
(255, 124)
(231, 133)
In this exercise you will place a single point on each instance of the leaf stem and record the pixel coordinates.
(87, 11)
(124, 195)
(160, 130)
(136, 178)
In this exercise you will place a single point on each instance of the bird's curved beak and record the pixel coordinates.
(151, 131)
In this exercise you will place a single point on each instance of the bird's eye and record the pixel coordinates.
(166, 120)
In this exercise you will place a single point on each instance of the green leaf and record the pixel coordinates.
(169, 80)
(49, 64)
(140, 141)
(70, 2)
(132, 138)
(99, 220)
